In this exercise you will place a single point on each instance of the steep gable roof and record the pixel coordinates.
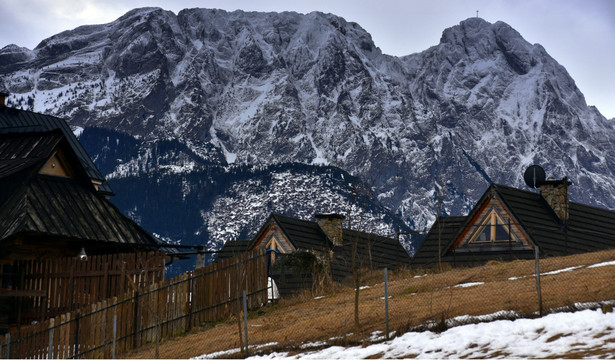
(21, 121)
(19, 151)
(372, 250)
(440, 237)
(588, 228)
(302, 234)
(55, 206)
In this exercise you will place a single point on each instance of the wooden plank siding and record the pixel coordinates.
(163, 309)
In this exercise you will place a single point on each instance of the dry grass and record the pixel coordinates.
(415, 300)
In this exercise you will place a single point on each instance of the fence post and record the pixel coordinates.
(538, 280)
(238, 298)
(77, 322)
(114, 335)
(136, 320)
(51, 327)
(386, 303)
(245, 321)
(191, 300)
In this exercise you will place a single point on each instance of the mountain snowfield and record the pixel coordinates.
(261, 89)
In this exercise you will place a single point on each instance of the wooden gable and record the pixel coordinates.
(58, 165)
(510, 223)
(491, 227)
(272, 237)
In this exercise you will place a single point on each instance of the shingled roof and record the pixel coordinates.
(20, 121)
(373, 251)
(232, 248)
(587, 229)
(34, 204)
(303, 234)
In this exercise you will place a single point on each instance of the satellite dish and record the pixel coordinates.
(534, 176)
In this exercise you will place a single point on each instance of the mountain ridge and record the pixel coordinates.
(260, 89)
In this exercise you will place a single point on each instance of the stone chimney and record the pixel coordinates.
(555, 193)
(331, 225)
(3, 96)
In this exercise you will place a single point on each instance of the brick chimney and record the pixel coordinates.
(331, 225)
(555, 193)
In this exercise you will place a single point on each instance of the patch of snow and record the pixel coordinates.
(77, 130)
(555, 335)
(554, 272)
(465, 285)
(607, 263)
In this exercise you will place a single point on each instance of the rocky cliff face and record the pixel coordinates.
(260, 89)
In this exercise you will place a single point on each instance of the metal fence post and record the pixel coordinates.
(245, 321)
(539, 291)
(386, 303)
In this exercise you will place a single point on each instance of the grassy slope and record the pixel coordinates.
(414, 300)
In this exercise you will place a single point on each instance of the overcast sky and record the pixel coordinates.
(579, 34)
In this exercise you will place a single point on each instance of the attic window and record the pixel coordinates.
(492, 229)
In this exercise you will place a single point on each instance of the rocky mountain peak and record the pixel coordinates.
(475, 41)
(260, 89)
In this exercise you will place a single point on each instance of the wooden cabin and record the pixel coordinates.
(54, 205)
(327, 240)
(509, 223)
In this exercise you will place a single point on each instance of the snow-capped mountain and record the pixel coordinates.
(260, 89)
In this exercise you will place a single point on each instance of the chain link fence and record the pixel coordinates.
(392, 302)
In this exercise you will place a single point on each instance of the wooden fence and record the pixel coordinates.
(162, 310)
(68, 284)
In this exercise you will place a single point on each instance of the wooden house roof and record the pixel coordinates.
(587, 229)
(35, 204)
(373, 250)
(21, 121)
(19, 151)
(232, 248)
(442, 233)
(302, 234)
